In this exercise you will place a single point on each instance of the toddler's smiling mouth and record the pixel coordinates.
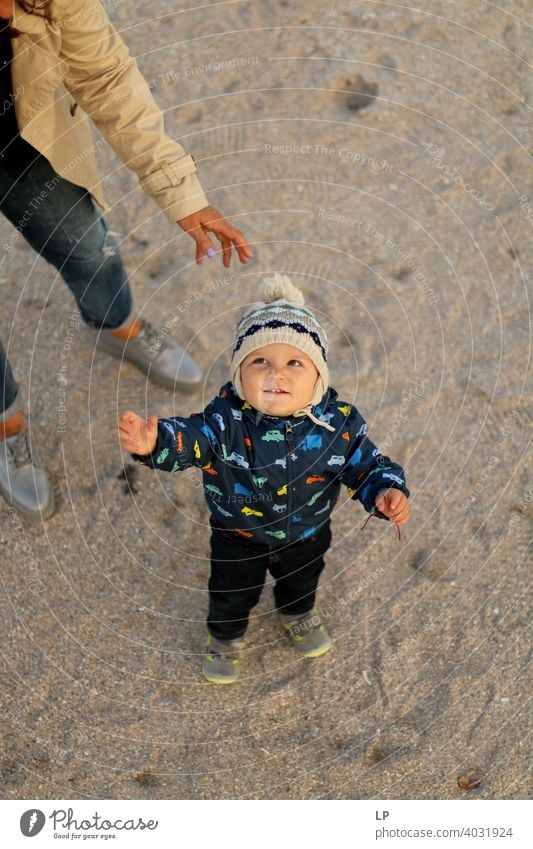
(276, 391)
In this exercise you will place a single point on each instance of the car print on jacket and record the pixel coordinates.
(249, 511)
(276, 476)
(312, 441)
(219, 420)
(238, 459)
(273, 436)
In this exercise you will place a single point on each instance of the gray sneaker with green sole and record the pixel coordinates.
(307, 633)
(222, 660)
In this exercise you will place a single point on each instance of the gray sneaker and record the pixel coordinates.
(155, 353)
(23, 483)
(222, 660)
(307, 633)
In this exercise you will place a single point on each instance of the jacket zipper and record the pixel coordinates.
(289, 478)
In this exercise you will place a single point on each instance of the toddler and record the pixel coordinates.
(274, 447)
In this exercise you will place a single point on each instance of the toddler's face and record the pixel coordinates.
(278, 379)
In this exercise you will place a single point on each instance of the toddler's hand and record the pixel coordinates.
(137, 435)
(395, 505)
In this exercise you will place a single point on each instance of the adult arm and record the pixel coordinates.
(105, 80)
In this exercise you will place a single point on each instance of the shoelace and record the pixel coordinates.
(21, 451)
(215, 653)
(229, 652)
(304, 624)
(153, 338)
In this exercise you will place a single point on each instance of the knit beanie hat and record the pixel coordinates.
(281, 317)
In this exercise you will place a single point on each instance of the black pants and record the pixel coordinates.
(238, 572)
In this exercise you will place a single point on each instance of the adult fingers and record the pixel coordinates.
(229, 235)
(226, 251)
(204, 245)
(235, 237)
(241, 246)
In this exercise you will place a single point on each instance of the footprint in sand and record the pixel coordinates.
(356, 92)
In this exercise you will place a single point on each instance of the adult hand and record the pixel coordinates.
(395, 505)
(137, 435)
(210, 220)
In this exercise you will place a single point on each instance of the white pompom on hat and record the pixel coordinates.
(281, 317)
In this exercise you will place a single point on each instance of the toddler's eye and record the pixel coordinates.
(259, 361)
(295, 362)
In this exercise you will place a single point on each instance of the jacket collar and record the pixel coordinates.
(228, 391)
(26, 23)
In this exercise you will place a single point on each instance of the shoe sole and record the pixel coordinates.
(219, 680)
(317, 652)
(46, 513)
(165, 382)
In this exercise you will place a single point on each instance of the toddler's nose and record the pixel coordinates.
(277, 372)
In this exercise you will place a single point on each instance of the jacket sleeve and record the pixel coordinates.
(106, 82)
(366, 471)
(182, 443)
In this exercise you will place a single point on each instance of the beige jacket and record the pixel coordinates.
(77, 57)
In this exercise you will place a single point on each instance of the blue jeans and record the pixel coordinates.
(60, 221)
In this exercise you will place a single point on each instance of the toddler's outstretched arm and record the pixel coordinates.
(137, 435)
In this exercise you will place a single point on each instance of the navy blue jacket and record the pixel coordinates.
(275, 479)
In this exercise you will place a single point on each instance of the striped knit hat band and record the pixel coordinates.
(281, 318)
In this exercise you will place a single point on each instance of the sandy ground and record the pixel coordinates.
(404, 216)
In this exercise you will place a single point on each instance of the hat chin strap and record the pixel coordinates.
(237, 382)
(308, 411)
(318, 392)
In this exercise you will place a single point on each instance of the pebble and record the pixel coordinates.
(470, 779)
